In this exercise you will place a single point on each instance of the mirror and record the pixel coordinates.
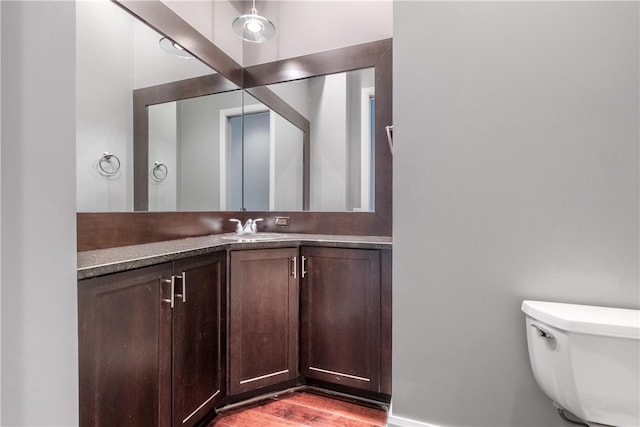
(189, 140)
(184, 153)
(227, 153)
(267, 164)
(340, 109)
(116, 54)
(217, 152)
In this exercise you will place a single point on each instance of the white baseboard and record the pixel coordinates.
(394, 421)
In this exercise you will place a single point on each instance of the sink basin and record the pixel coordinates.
(258, 237)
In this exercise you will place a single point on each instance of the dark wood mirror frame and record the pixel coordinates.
(106, 230)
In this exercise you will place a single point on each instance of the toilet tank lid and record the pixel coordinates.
(586, 319)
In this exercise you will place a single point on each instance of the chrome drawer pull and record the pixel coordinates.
(172, 289)
(294, 272)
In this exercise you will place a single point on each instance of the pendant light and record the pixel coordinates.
(174, 48)
(253, 27)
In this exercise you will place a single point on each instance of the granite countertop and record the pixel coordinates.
(106, 261)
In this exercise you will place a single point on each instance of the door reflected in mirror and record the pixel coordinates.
(268, 161)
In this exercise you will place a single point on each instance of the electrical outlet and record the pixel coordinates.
(282, 221)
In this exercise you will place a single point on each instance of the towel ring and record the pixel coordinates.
(159, 172)
(109, 164)
(389, 130)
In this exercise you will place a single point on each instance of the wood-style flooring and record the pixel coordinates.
(302, 409)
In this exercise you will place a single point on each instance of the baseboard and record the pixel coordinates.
(394, 421)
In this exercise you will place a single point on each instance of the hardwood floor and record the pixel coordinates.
(302, 409)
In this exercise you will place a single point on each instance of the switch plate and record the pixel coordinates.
(282, 221)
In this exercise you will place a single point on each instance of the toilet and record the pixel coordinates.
(587, 360)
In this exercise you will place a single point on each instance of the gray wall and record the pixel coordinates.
(515, 177)
(38, 246)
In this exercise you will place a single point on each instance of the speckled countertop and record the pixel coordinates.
(105, 261)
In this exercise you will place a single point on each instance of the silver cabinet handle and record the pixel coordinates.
(543, 332)
(183, 293)
(184, 287)
(304, 267)
(294, 262)
(172, 283)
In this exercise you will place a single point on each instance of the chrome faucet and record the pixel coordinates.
(250, 227)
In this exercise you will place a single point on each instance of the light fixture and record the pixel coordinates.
(174, 48)
(253, 27)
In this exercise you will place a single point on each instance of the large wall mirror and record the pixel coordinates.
(205, 139)
(117, 54)
(300, 145)
(304, 144)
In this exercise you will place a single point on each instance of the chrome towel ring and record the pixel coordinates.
(159, 172)
(389, 130)
(109, 164)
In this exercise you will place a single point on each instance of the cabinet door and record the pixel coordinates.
(125, 349)
(340, 312)
(197, 337)
(263, 318)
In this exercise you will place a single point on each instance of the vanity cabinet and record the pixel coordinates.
(198, 346)
(342, 337)
(151, 344)
(263, 318)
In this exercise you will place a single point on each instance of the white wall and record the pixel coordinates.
(286, 165)
(104, 81)
(356, 81)
(329, 162)
(116, 54)
(516, 177)
(305, 27)
(0, 216)
(199, 150)
(38, 246)
(213, 20)
(328, 25)
(153, 65)
(163, 142)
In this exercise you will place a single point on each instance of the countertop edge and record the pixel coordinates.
(114, 260)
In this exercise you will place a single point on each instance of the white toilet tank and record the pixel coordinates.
(587, 359)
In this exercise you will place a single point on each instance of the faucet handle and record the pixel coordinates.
(238, 225)
(254, 226)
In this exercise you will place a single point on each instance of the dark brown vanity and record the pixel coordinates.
(172, 331)
(179, 319)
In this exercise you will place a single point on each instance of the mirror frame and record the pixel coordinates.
(114, 229)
